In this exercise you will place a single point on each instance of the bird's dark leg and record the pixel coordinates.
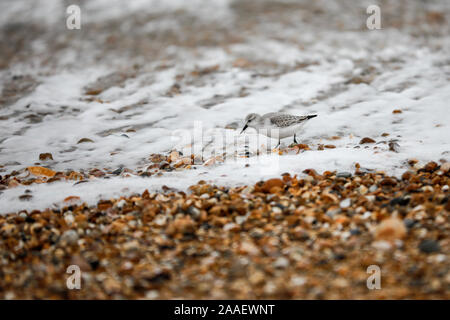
(295, 141)
(279, 142)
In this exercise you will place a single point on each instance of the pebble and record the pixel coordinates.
(164, 165)
(409, 223)
(366, 140)
(240, 219)
(298, 281)
(70, 237)
(69, 219)
(257, 278)
(332, 212)
(363, 189)
(120, 204)
(152, 295)
(399, 201)
(429, 246)
(344, 175)
(194, 212)
(345, 203)
(281, 263)
(390, 229)
(382, 245)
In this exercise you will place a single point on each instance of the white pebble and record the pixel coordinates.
(281, 263)
(298, 281)
(120, 204)
(69, 219)
(345, 203)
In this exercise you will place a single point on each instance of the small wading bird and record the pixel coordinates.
(276, 124)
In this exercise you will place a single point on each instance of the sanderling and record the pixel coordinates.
(276, 124)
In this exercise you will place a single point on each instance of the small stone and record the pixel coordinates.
(366, 140)
(281, 263)
(344, 175)
(298, 281)
(248, 190)
(45, 156)
(400, 201)
(332, 212)
(117, 171)
(174, 156)
(257, 233)
(70, 236)
(69, 219)
(249, 247)
(429, 246)
(270, 185)
(382, 245)
(430, 167)
(164, 165)
(276, 210)
(97, 173)
(183, 225)
(345, 203)
(160, 220)
(427, 189)
(240, 219)
(407, 175)
(394, 146)
(157, 158)
(231, 227)
(194, 212)
(152, 295)
(390, 229)
(84, 140)
(183, 162)
(257, 278)
(363, 189)
(388, 182)
(120, 204)
(25, 197)
(445, 167)
(409, 223)
(9, 295)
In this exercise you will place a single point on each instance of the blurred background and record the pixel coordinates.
(145, 29)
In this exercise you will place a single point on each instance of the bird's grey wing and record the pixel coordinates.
(286, 120)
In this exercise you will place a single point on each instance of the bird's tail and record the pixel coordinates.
(311, 116)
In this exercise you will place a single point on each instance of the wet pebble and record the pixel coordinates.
(429, 246)
(344, 175)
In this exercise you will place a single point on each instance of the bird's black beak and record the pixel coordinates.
(245, 127)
